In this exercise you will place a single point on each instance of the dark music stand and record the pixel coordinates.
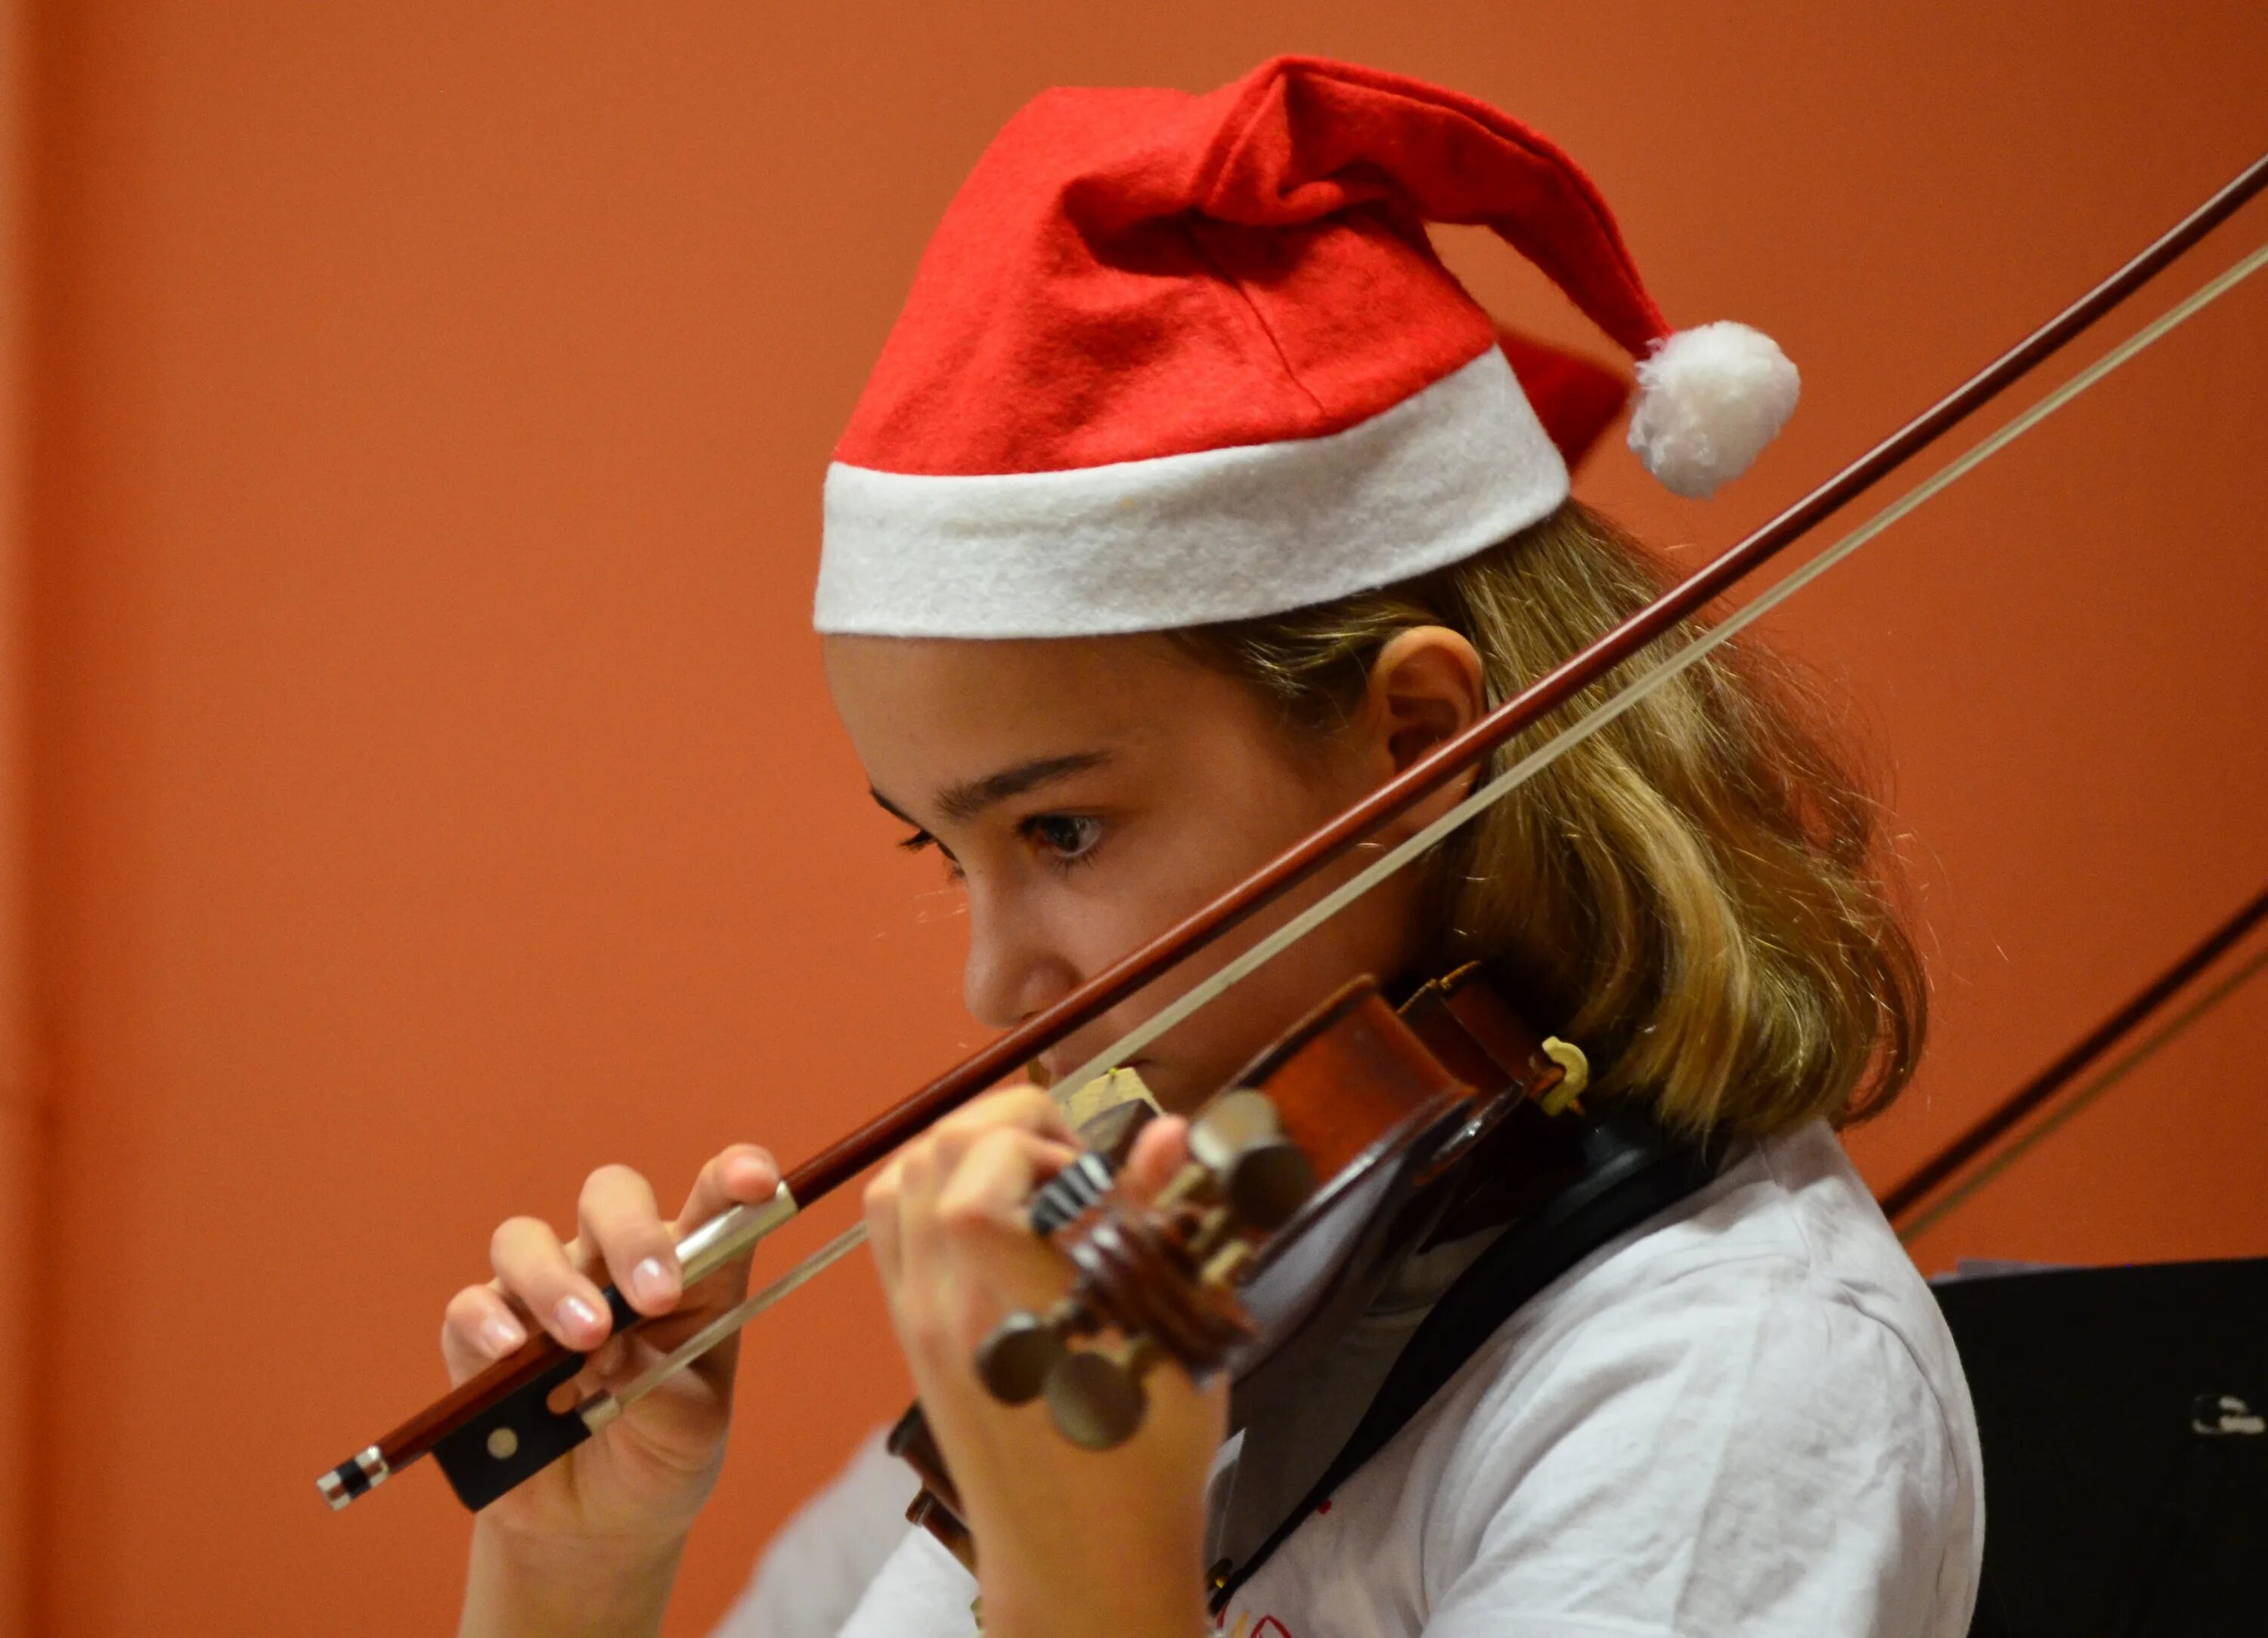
(2125, 1473)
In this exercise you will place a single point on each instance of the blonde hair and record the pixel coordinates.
(1700, 895)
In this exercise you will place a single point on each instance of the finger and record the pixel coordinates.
(532, 1268)
(904, 1191)
(477, 1329)
(1161, 1148)
(995, 1180)
(1014, 1108)
(969, 1255)
(899, 1210)
(1020, 1105)
(743, 1175)
(621, 1225)
(917, 1179)
(977, 1228)
(882, 1211)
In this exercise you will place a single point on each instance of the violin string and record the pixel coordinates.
(2145, 1050)
(601, 1408)
(1651, 681)
(1406, 853)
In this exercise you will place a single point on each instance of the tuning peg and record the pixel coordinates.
(1013, 1363)
(1263, 1177)
(1095, 1396)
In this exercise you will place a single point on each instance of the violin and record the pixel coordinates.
(1365, 1122)
(1365, 1132)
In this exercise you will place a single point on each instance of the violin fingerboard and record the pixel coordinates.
(1066, 1197)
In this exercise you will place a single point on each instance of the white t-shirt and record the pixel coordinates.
(1744, 1417)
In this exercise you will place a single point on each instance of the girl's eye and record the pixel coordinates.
(1069, 837)
(922, 841)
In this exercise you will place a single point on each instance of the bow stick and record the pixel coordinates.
(1933, 1173)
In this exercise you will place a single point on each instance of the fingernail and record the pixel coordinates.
(577, 1317)
(500, 1335)
(649, 1281)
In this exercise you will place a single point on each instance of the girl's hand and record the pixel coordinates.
(1067, 1539)
(636, 1487)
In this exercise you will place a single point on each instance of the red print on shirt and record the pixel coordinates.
(1268, 1625)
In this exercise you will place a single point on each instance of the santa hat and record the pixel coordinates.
(1174, 359)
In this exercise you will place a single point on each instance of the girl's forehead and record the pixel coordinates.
(1012, 679)
(917, 702)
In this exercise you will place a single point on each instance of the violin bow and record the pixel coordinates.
(543, 1361)
(1905, 1198)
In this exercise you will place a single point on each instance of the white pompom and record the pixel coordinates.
(1709, 400)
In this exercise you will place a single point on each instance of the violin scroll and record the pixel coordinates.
(1160, 1273)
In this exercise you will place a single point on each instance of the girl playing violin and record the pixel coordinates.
(1190, 501)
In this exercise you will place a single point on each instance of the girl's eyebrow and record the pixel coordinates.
(971, 797)
(967, 800)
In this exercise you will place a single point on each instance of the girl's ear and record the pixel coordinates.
(1425, 687)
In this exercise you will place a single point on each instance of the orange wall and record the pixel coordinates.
(21, 1102)
(434, 794)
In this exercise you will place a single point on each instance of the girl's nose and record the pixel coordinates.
(1014, 971)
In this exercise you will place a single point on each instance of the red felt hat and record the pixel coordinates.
(1171, 359)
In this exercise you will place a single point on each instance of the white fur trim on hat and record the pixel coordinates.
(1710, 399)
(1186, 540)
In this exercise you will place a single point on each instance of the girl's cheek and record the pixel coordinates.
(1091, 929)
